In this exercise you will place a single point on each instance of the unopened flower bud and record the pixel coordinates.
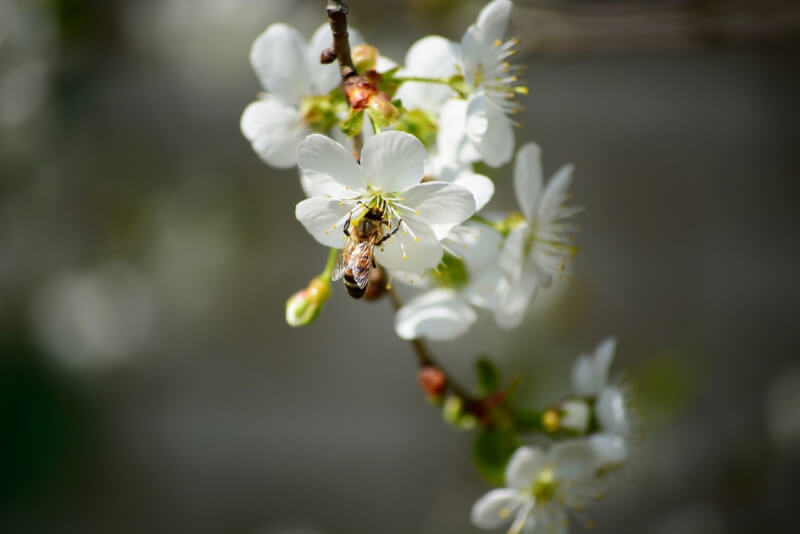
(328, 56)
(381, 110)
(433, 381)
(365, 57)
(359, 90)
(453, 413)
(305, 305)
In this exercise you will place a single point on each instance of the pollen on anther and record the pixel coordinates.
(504, 513)
(326, 232)
(416, 239)
(497, 42)
(405, 256)
(416, 212)
(341, 203)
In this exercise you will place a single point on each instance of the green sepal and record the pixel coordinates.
(351, 126)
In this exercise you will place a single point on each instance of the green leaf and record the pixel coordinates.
(526, 420)
(492, 449)
(488, 376)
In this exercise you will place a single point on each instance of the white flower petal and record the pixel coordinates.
(524, 467)
(403, 252)
(430, 57)
(555, 194)
(324, 78)
(393, 161)
(324, 219)
(548, 520)
(329, 166)
(278, 57)
(528, 179)
(603, 356)
(611, 411)
(489, 131)
(439, 315)
(275, 130)
(572, 460)
(584, 377)
(454, 147)
(481, 187)
(439, 202)
(493, 20)
(610, 450)
(496, 508)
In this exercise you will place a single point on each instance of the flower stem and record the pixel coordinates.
(328, 272)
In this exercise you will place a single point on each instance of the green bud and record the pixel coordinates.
(305, 305)
(454, 415)
(365, 57)
(420, 124)
(319, 113)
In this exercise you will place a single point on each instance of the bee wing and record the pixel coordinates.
(341, 263)
(362, 256)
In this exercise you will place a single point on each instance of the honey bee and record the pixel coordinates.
(355, 261)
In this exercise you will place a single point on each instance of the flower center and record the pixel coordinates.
(545, 485)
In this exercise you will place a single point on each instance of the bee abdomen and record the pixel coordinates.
(352, 287)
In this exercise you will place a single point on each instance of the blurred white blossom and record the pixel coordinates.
(538, 247)
(541, 488)
(95, 319)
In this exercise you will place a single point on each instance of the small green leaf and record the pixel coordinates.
(488, 376)
(492, 449)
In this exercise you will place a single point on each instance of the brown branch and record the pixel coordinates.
(337, 18)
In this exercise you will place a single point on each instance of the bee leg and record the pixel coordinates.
(347, 225)
(390, 234)
(374, 265)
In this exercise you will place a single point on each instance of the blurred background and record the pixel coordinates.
(149, 383)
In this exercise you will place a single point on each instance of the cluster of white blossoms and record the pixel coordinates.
(545, 486)
(453, 102)
(386, 155)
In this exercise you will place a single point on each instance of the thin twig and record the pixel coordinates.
(337, 19)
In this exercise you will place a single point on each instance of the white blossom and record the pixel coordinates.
(391, 169)
(590, 378)
(290, 70)
(539, 245)
(541, 488)
(483, 128)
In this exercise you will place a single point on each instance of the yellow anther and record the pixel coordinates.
(416, 239)
(405, 257)
(522, 89)
(340, 202)
(497, 42)
(504, 513)
(416, 212)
